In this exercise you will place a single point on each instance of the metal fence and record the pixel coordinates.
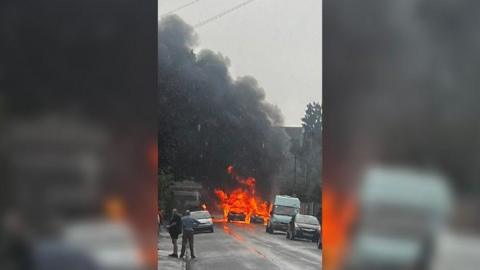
(310, 208)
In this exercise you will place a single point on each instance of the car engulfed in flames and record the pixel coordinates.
(243, 204)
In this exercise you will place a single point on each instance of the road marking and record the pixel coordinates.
(271, 242)
(242, 240)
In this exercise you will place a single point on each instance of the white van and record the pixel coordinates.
(284, 208)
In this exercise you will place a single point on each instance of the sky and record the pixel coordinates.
(279, 42)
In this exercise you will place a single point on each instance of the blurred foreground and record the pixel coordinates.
(401, 134)
(77, 135)
(70, 198)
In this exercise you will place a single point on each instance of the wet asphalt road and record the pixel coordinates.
(236, 246)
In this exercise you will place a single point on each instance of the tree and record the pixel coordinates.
(165, 182)
(312, 121)
(311, 150)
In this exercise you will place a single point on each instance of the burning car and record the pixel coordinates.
(261, 213)
(257, 219)
(238, 206)
(236, 216)
(242, 204)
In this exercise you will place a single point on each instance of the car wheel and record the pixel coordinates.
(211, 230)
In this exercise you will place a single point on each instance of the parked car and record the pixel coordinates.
(205, 219)
(304, 226)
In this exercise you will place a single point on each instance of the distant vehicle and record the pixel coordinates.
(304, 226)
(403, 211)
(234, 215)
(205, 219)
(284, 208)
(186, 195)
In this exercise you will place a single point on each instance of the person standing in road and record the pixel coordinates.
(174, 229)
(188, 223)
(159, 222)
(160, 219)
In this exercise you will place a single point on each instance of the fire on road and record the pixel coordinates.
(243, 202)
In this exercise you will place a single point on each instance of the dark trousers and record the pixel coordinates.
(175, 246)
(187, 236)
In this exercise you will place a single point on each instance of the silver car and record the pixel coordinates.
(205, 221)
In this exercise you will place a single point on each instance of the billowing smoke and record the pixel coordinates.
(401, 83)
(209, 120)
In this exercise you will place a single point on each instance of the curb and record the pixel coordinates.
(163, 249)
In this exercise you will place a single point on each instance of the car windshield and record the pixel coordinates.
(284, 210)
(200, 215)
(307, 220)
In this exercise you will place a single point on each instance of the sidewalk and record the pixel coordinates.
(164, 245)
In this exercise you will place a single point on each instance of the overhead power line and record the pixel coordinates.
(218, 16)
(179, 8)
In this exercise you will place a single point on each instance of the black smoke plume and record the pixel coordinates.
(209, 120)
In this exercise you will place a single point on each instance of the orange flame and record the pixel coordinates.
(243, 200)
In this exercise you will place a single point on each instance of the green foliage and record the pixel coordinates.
(312, 121)
(165, 196)
(310, 153)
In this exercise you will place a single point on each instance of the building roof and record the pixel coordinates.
(186, 185)
(295, 133)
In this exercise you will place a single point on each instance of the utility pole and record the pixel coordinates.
(295, 171)
(306, 172)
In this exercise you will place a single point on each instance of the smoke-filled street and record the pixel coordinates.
(236, 246)
(239, 137)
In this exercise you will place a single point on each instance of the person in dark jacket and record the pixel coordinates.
(175, 228)
(188, 223)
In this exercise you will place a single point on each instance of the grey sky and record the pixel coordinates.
(276, 41)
